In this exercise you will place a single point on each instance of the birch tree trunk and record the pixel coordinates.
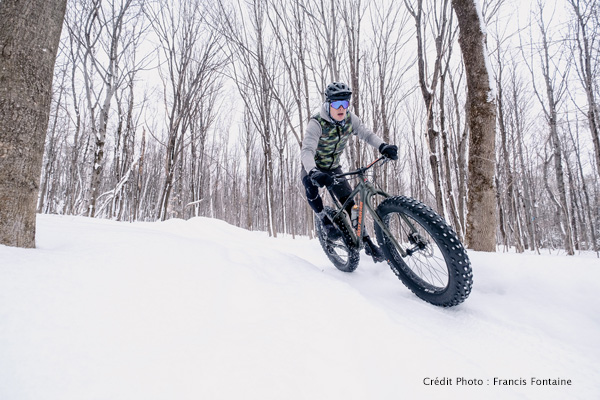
(481, 219)
(98, 21)
(29, 37)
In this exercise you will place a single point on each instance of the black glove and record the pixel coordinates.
(389, 150)
(320, 178)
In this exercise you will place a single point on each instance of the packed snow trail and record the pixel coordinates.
(200, 309)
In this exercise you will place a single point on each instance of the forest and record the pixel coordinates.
(166, 109)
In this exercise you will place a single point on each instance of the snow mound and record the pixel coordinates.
(200, 309)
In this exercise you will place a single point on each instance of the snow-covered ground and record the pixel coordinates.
(200, 309)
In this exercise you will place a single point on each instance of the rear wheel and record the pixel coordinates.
(345, 257)
(436, 268)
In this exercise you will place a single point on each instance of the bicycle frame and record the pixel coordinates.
(366, 191)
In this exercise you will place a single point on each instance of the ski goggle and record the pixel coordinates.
(343, 103)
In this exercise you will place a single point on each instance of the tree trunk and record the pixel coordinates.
(585, 57)
(551, 110)
(450, 196)
(481, 219)
(29, 37)
(586, 197)
(461, 160)
(511, 205)
(428, 92)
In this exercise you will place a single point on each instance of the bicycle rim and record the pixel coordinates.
(435, 265)
(426, 265)
(342, 256)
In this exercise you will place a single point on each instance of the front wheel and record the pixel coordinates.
(436, 267)
(343, 255)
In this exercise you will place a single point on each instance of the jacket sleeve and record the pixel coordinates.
(365, 133)
(309, 144)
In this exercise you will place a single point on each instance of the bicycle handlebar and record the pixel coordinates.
(362, 170)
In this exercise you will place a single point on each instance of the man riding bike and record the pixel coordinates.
(325, 139)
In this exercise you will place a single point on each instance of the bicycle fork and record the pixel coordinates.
(371, 192)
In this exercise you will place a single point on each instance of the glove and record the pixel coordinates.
(320, 178)
(389, 151)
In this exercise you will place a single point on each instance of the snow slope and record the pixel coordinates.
(200, 309)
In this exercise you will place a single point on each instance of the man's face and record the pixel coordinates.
(338, 108)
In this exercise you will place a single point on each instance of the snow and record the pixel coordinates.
(200, 309)
(492, 93)
(480, 16)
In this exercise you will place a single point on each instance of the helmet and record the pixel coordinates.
(338, 91)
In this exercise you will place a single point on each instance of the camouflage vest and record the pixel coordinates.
(332, 143)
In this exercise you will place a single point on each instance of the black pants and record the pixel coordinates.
(341, 189)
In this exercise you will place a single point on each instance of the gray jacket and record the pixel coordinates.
(313, 135)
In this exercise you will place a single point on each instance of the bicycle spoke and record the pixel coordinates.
(423, 251)
(431, 273)
(424, 260)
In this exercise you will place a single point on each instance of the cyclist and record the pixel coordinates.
(325, 139)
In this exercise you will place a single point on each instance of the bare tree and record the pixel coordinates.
(324, 18)
(279, 59)
(481, 220)
(587, 204)
(428, 89)
(450, 194)
(74, 183)
(555, 79)
(586, 51)
(252, 70)
(104, 42)
(516, 105)
(54, 138)
(29, 36)
(386, 65)
(192, 63)
(506, 183)
(291, 92)
(459, 149)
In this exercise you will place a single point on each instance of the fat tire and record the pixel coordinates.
(460, 275)
(345, 264)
